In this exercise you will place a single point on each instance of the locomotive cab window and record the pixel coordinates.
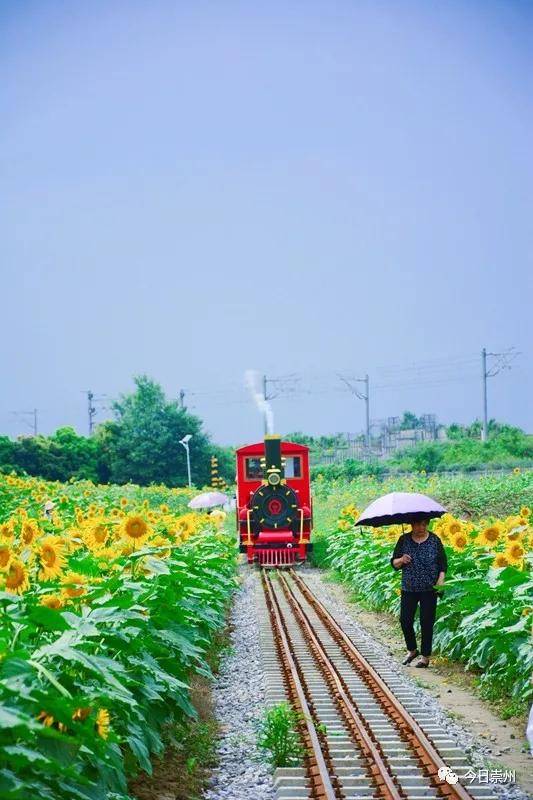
(293, 467)
(253, 469)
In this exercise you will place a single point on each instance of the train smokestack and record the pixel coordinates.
(273, 461)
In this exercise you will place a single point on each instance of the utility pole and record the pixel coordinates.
(265, 398)
(182, 398)
(503, 361)
(484, 430)
(91, 411)
(367, 409)
(362, 396)
(285, 385)
(35, 422)
(94, 404)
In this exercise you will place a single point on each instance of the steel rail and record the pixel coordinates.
(361, 732)
(408, 727)
(322, 787)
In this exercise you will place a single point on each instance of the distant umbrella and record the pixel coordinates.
(208, 500)
(399, 507)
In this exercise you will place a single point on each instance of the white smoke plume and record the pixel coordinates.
(252, 379)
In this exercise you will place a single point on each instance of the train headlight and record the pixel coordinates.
(274, 478)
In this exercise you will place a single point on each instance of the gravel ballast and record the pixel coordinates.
(239, 701)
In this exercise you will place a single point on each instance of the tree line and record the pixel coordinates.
(140, 444)
(506, 447)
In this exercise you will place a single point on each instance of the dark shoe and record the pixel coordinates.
(410, 658)
(422, 664)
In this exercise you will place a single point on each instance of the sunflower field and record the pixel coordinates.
(109, 599)
(484, 618)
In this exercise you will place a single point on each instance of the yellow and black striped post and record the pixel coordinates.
(214, 472)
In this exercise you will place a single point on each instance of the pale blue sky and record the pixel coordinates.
(191, 189)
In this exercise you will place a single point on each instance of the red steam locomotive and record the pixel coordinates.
(274, 505)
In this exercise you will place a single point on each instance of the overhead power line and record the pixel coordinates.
(351, 383)
(502, 361)
(30, 419)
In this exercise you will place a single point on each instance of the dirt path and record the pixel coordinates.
(449, 683)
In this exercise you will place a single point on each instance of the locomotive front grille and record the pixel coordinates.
(275, 557)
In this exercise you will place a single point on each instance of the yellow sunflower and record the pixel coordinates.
(135, 527)
(490, 535)
(350, 511)
(96, 536)
(29, 531)
(7, 529)
(500, 561)
(124, 501)
(525, 511)
(52, 601)
(454, 527)
(17, 580)
(5, 556)
(515, 552)
(459, 541)
(103, 721)
(74, 584)
(186, 529)
(52, 558)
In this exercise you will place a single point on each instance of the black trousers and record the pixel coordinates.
(428, 607)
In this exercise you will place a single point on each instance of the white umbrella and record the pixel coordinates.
(398, 507)
(208, 500)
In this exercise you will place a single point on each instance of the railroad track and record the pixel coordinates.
(365, 735)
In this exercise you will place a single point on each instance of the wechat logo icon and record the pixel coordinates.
(446, 774)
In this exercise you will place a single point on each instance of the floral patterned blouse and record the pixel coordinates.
(428, 559)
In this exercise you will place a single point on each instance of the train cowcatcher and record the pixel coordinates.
(274, 504)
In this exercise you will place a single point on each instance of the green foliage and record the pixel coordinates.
(506, 447)
(131, 651)
(59, 457)
(278, 736)
(410, 421)
(141, 445)
(317, 442)
(349, 469)
(462, 495)
(464, 451)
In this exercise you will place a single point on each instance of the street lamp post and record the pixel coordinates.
(185, 443)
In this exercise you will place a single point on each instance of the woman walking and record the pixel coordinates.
(421, 557)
